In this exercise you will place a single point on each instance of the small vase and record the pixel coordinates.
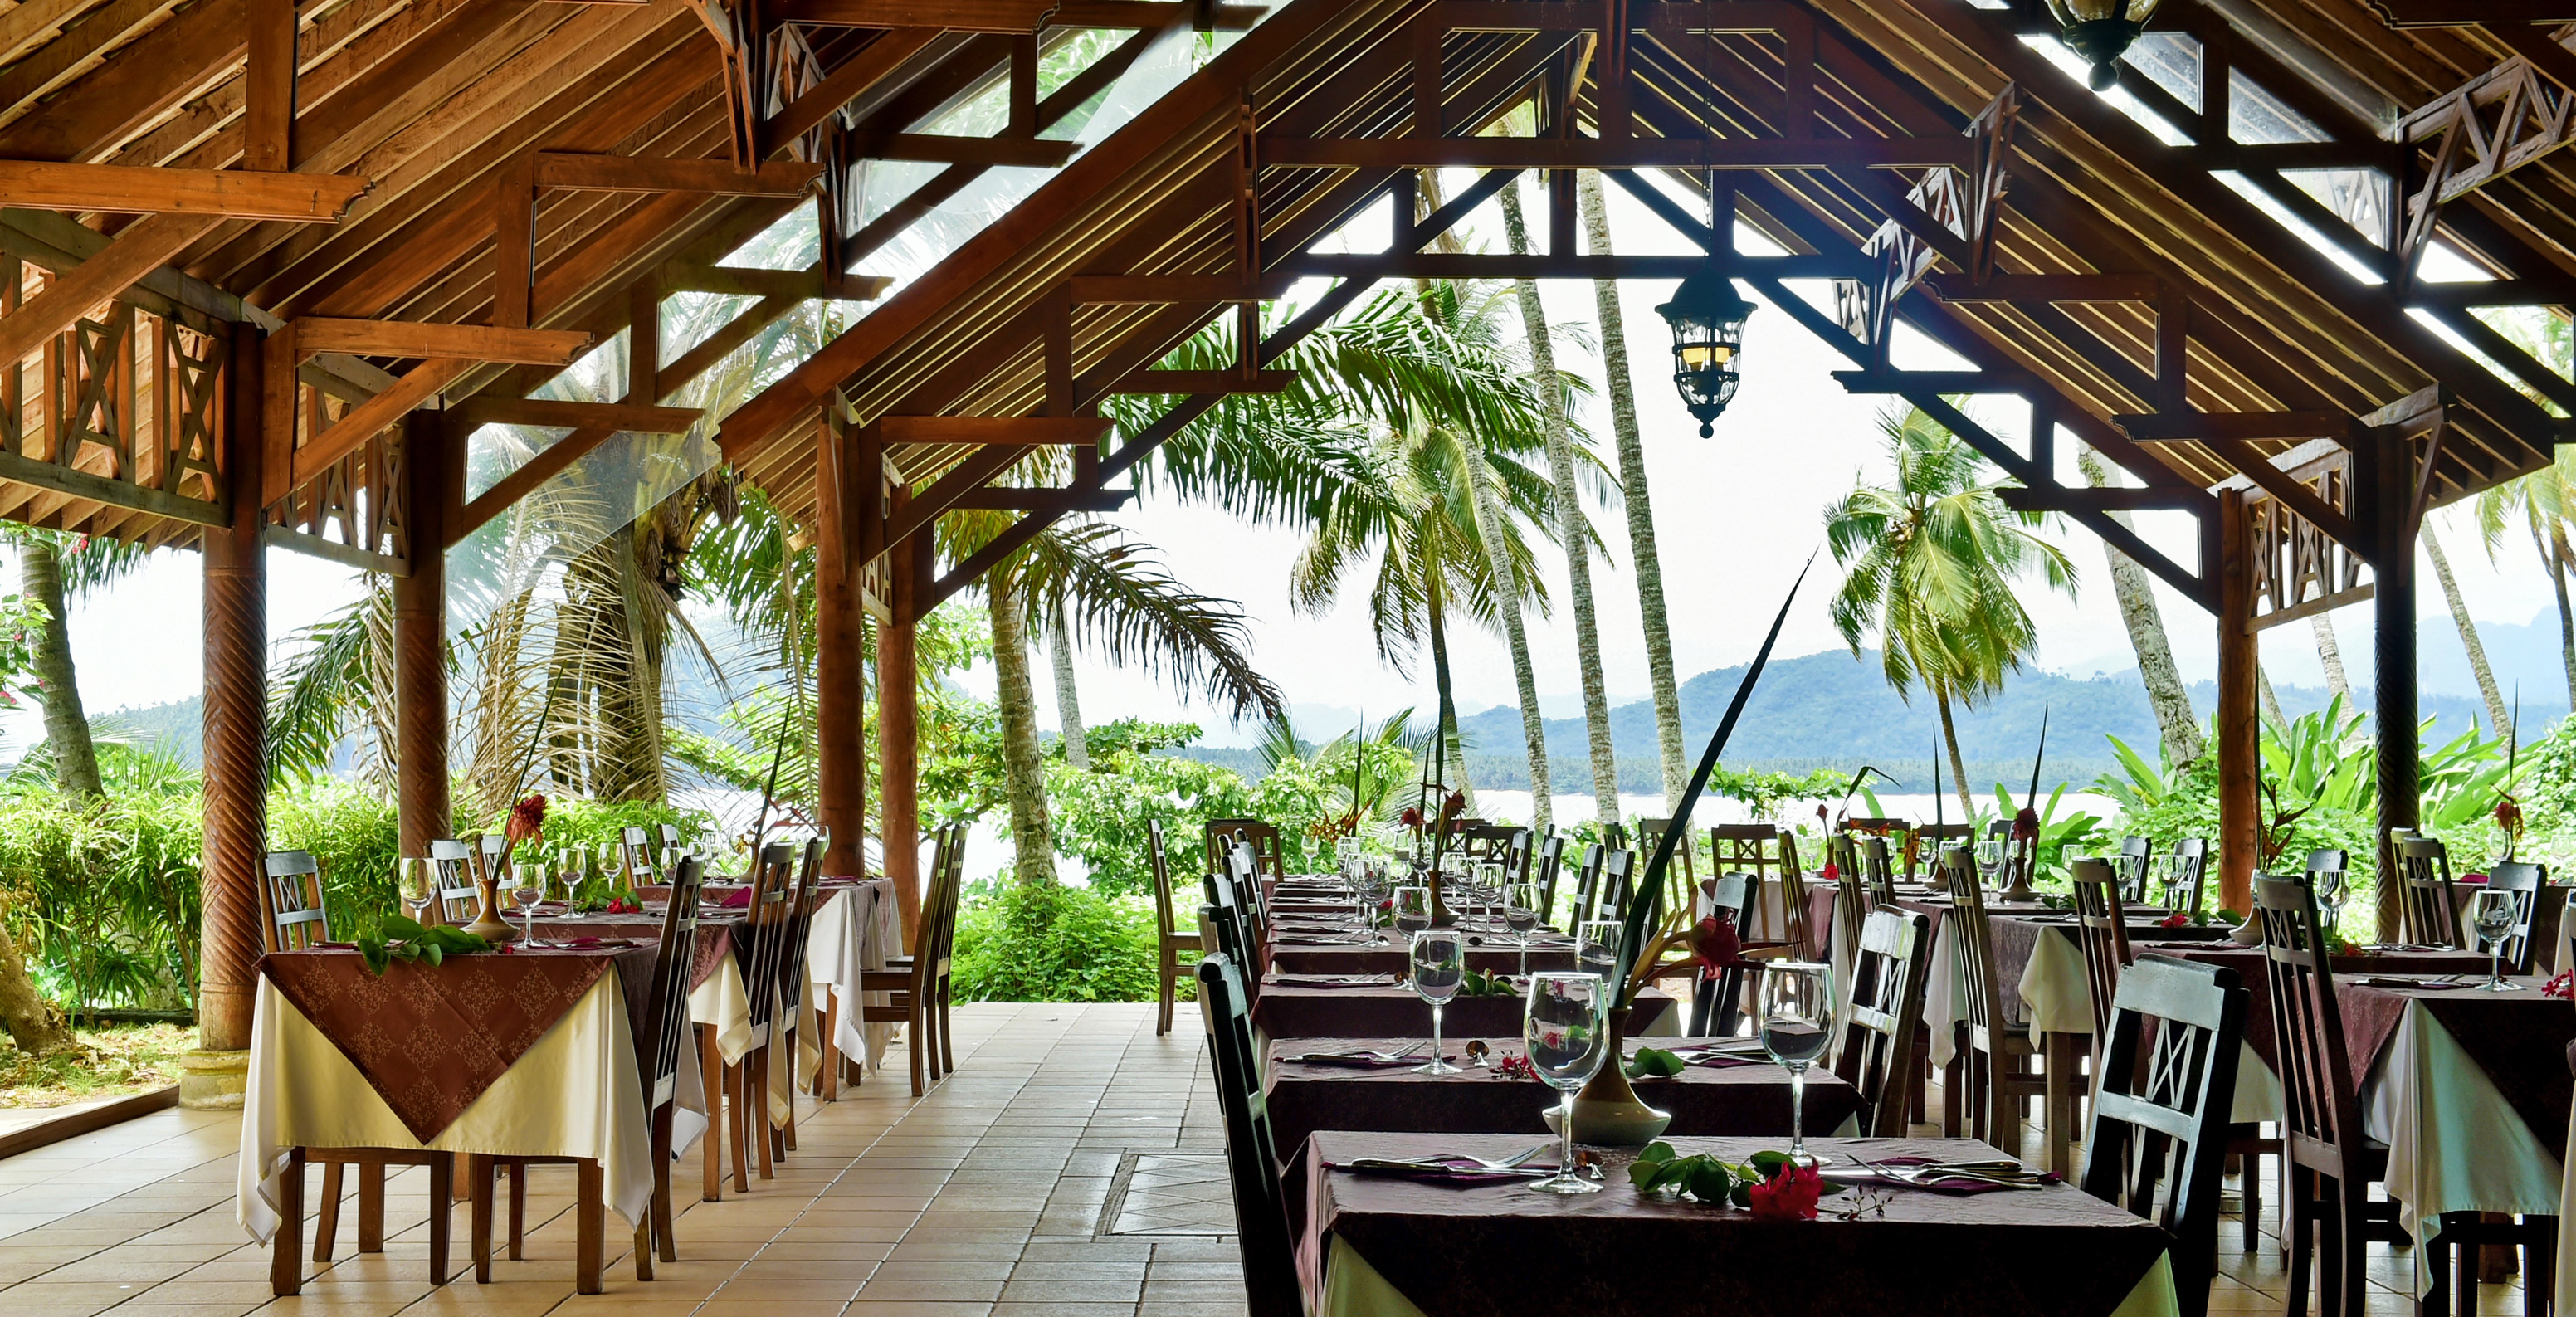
(1607, 1110)
(488, 923)
(1440, 916)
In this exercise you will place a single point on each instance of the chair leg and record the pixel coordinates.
(326, 1214)
(2062, 1053)
(913, 1031)
(827, 1076)
(1166, 967)
(371, 1207)
(947, 1032)
(518, 1211)
(663, 1120)
(2347, 1249)
(2539, 1265)
(755, 1076)
(2298, 1220)
(442, 1211)
(711, 1080)
(738, 1129)
(286, 1252)
(590, 1215)
(2250, 1198)
(481, 1174)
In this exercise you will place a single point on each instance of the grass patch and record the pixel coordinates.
(112, 1060)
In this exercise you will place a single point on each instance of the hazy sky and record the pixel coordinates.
(1735, 516)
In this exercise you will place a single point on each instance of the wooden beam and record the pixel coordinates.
(2171, 427)
(798, 284)
(1022, 152)
(1200, 381)
(2325, 603)
(1004, 497)
(627, 173)
(474, 413)
(1622, 153)
(268, 87)
(991, 429)
(2293, 494)
(2461, 13)
(1936, 381)
(134, 189)
(1012, 17)
(1545, 265)
(2108, 498)
(844, 84)
(79, 484)
(1172, 289)
(395, 338)
(518, 484)
(145, 245)
(362, 422)
(2044, 288)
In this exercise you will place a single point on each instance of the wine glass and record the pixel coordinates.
(1596, 946)
(1489, 891)
(1412, 909)
(1520, 915)
(531, 889)
(2494, 916)
(1797, 1023)
(2329, 887)
(1346, 854)
(1566, 1027)
(419, 884)
(1439, 962)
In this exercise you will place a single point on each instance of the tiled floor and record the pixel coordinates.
(1070, 1167)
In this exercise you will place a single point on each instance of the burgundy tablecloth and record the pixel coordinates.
(1503, 1251)
(2248, 962)
(715, 934)
(1304, 1097)
(430, 1039)
(1487, 955)
(1287, 1011)
(2519, 1038)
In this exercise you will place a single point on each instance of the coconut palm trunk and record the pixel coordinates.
(66, 723)
(2175, 723)
(1950, 743)
(1643, 557)
(2330, 656)
(1435, 608)
(2496, 715)
(2271, 700)
(33, 1024)
(1023, 769)
(1489, 528)
(1068, 699)
(1571, 527)
(2554, 553)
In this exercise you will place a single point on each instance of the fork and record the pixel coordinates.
(1508, 1163)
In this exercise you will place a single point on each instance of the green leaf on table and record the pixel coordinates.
(1653, 1063)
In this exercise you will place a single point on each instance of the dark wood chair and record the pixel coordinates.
(2157, 1141)
(1766, 852)
(1878, 871)
(1224, 834)
(1998, 1067)
(2525, 880)
(2186, 875)
(1251, 1152)
(1927, 840)
(1883, 1028)
(2428, 904)
(793, 985)
(1224, 914)
(458, 899)
(1717, 1000)
(2103, 926)
(1487, 843)
(660, 1037)
(768, 924)
(913, 984)
(1618, 882)
(2329, 1163)
(1550, 859)
(1170, 943)
(2137, 857)
(1242, 866)
(1517, 856)
(1587, 885)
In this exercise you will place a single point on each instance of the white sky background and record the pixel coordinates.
(1735, 516)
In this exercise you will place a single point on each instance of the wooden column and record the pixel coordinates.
(236, 709)
(840, 751)
(2238, 750)
(420, 640)
(2385, 472)
(898, 731)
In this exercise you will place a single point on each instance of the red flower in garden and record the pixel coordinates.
(1717, 945)
(1789, 1195)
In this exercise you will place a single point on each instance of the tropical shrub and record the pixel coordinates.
(1053, 943)
(1100, 816)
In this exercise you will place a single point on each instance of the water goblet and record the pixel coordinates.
(2329, 887)
(418, 880)
(1412, 910)
(1439, 960)
(1797, 1023)
(1520, 915)
(531, 889)
(1596, 946)
(2495, 915)
(1566, 1028)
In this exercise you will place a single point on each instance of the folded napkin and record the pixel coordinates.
(2410, 981)
(590, 943)
(1457, 1172)
(1333, 980)
(1363, 1060)
(737, 899)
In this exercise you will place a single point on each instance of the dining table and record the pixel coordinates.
(1376, 1084)
(1377, 1006)
(1377, 1245)
(529, 1052)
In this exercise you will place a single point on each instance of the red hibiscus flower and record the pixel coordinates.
(1789, 1195)
(1411, 817)
(527, 819)
(2175, 920)
(2025, 825)
(2562, 986)
(1717, 945)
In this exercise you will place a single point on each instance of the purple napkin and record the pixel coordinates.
(1332, 980)
(1376, 1061)
(1721, 1061)
(737, 899)
(1456, 1172)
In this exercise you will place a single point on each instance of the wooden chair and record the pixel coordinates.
(1169, 942)
(1550, 857)
(1618, 882)
(2329, 1162)
(1243, 866)
(492, 858)
(1487, 843)
(1762, 851)
(2157, 1141)
(1683, 875)
(1878, 872)
(1930, 839)
(2002, 1066)
(792, 985)
(666, 1029)
(2103, 927)
(913, 984)
(1224, 914)
(1517, 857)
(635, 856)
(767, 927)
(2428, 903)
(1587, 885)
(1717, 1001)
(458, 899)
(1251, 1153)
(2137, 856)
(1224, 834)
(1883, 1027)
(2524, 880)
(2186, 875)
(290, 903)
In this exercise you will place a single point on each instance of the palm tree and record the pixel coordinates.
(2330, 656)
(1933, 560)
(56, 569)
(2543, 501)
(2477, 650)
(1643, 558)
(1068, 696)
(2175, 722)
(1571, 529)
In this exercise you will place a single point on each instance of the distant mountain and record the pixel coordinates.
(1832, 710)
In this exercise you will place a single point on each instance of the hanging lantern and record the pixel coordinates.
(1707, 317)
(2099, 30)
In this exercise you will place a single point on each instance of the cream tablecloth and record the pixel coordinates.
(852, 931)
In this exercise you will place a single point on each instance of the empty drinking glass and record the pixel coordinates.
(1566, 1027)
(531, 889)
(1520, 915)
(1797, 1023)
(2329, 887)
(1412, 909)
(1439, 966)
(419, 881)
(1596, 946)
(2495, 915)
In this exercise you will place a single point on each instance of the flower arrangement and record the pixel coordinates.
(1515, 1067)
(1768, 1184)
(2563, 986)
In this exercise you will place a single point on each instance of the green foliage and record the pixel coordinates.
(1100, 816)
(2078, 833)
(104, 897)
(399, 937)
(1706, 1177)
(1052, 943)
(1763, 794)
(354, 836)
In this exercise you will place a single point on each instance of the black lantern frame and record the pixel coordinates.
(2100, 31)
(1707, 318)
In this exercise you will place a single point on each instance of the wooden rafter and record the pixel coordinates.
(128, 189)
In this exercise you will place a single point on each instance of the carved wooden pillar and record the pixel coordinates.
(898, 730)
(420, 639)
(2238, 750)
(2384, 489)
(840, 751)
(236, 771)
